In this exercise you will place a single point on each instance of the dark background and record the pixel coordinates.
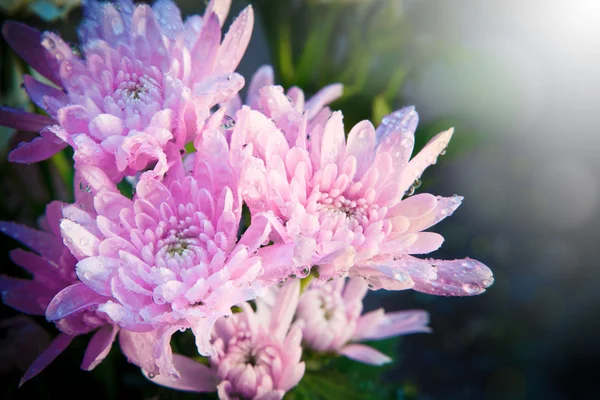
(520, 80)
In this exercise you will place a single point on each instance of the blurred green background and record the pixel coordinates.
(520, 82)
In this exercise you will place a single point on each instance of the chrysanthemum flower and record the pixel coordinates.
(147, 79)
(170, 258)
(258, 354)
(331, 321)
(53, 269)
(342, 203)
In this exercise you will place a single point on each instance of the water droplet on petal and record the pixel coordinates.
(471, 288)
(406, 142)
(151, 376)
(84, 187)
(227, 122)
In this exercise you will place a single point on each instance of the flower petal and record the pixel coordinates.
(195, 377)
(58, 345)
(235, 42)
(26, 42)
(218, 7)
(365, 354)
(464, 277)
(99, 347)
(284, 309)
(72, 299)
(426, 157)
(23, 120)
(43, 243)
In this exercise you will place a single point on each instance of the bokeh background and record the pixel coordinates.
(520, 81)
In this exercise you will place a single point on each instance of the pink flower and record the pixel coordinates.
(147, 80)
(258, 354)
(53, 270)
(170, 258)
(331, 321)
(340, 202)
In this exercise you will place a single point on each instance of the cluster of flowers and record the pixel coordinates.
(144, 88)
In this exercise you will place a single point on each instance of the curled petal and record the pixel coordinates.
(72, 299)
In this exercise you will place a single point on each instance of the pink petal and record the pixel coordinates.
(426, 243)
(96, 179)
(218, 7)
(74, 119)
(464, 277)
(396, 136)
(38, 90)
(72, 299)
(169, 17)
(26, 42)
(97, 272)
(425, 158)
(391, 324)
(138, 347)
(365, 354)
(43, 243)
(220, 88)
(43, 270)
(147, 37)
(235, 42)
(202, 330)
(23, 295)
(334, 140)
(261, 78)
(195, 377)
(323, 97)
(39, 149)
(23, 120)
(270, 395)
(99, 347)
(81, 242)
(361, 145)
(256, 234)
(205, 48)
(382, 276)
(424, 210)
(355, 290)
(104, 126)
(284, 309)
(58, 345)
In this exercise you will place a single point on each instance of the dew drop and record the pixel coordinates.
(471, 288)
(227, 122)
(84, 187)
(151, 376)
(48, 43)
(406, 142)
